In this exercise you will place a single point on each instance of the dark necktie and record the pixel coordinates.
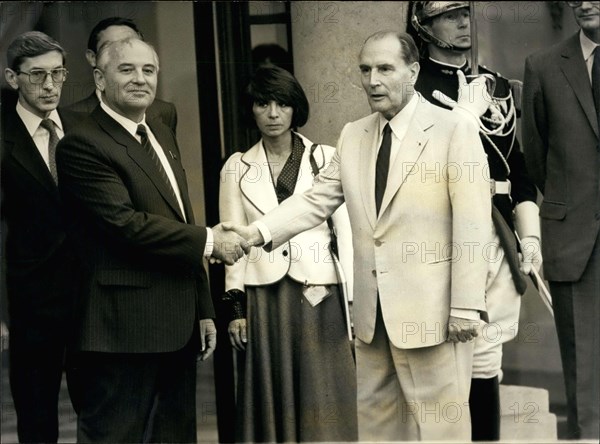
(383, 166)
(596, 81)
(49, 125)
(145, 141)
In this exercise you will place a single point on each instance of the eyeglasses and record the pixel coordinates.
(574, 4)
(38, 76)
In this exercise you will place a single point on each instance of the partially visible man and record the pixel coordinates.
(145, 308)
(444, 30)
(561, 107)
(412, 177)
(109, 30)
(41, 269)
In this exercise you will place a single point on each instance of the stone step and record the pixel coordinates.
(525, 414)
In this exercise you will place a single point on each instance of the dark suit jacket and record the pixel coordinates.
(165, 111)
(560, 139)
(144, 285)
(33, 216)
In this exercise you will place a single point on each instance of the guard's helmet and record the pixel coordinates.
(423, 11)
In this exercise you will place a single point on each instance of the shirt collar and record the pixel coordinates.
(129, 125)
(399, 123)
(32, 122)
(587, 45)
(463, 66)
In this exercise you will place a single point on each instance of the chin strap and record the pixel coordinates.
(430, 38)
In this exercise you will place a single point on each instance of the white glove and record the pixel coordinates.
(527, 224)
(473, 98)
(531, 254)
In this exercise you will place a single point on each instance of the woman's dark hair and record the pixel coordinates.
(274, 83)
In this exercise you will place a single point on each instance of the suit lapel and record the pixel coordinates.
(25, 152)
(367, 159)
(256, 183)
(137, 154)
(410, 150)
(575, 70)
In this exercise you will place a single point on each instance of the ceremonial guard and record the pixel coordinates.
(446, 35)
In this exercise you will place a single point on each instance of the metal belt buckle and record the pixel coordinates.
(493, 187)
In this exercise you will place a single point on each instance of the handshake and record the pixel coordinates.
(231, 241)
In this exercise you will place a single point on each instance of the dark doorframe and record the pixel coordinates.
(206, 69)
(233, 59)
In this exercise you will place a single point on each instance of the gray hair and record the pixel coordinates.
(109, 49)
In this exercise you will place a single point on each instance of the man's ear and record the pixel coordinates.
(11, 78)
(414, 70)
(90, 56)
(99, 79)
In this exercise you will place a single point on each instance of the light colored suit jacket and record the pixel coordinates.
(425, 253)
(247, 193)
(560, 140)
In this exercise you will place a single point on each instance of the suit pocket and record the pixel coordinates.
(123, 278)
(440, 261)
(553, 210)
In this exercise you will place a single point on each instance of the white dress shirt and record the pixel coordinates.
(40, 136)
(587, 48)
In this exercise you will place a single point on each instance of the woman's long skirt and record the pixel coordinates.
(299, 380)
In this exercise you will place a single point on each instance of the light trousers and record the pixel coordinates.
(412, 394)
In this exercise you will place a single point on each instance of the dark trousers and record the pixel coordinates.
(577, 318)
(36, 369)
(137, 397)
(40, 310)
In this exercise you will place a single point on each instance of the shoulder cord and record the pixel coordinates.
(502, 121)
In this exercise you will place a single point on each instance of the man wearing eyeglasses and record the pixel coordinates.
(561, 104)
(41, 274)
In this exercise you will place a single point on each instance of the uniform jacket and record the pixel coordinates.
(145, 286)
(247, 193)
(164, 111)
(560, 137)
(414, 256)
(504, 153)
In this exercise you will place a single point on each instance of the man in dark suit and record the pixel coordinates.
(145, 308)
(41, 274)
(110, 30)
(560, 139)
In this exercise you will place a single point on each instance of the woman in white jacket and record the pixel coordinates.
(297, 377)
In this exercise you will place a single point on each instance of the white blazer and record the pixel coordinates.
(247, 193)
(425, 253)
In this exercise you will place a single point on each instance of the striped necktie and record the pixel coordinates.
(145, 142)
(48, 124)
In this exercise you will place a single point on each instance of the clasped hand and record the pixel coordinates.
(231, 241)
(462, 330)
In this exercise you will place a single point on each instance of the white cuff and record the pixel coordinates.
(264, 231)
(527, 219)
(465, 313)
(209, 246)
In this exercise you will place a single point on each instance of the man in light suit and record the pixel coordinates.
(41, 271)
(560, 139)
(145, 308)
(110, 30)
(412, 176)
